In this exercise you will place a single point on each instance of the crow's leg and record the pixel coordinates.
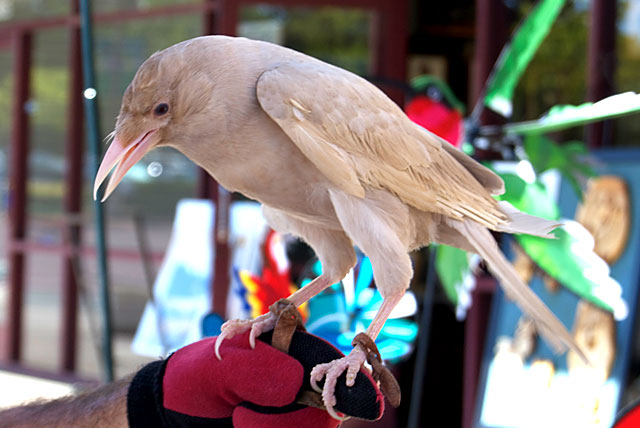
(267, 322)
(332, 247)
(380, 226)
(351, 363)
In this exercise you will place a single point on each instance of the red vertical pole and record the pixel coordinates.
(214, 16)
(601, 65)
(492, 26)
(222, 256)
(392, 55)
(72, 200)
(205, 181)
(228, 10)
(18, 188)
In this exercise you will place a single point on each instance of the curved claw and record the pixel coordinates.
(259, 325)
(335, 414)
(253, 335)
(329, 398)
(232, 328)
(228, 330)
(331, 372)
(219, 340)
(314, 382)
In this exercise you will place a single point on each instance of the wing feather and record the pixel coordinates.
(359, 138)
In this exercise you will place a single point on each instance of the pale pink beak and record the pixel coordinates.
(121, 157)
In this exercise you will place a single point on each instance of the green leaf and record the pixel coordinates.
(514, 187)
(541, 152)
(568, 258)
(531, 198)
(569, 158)
(515, 57)
(452, 265)
(569, 116)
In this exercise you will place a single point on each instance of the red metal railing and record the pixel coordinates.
(219, 17)
(18, 187)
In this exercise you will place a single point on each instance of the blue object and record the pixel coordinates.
(346, 309)
(211, 324)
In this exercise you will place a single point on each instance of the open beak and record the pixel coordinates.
(122, 157)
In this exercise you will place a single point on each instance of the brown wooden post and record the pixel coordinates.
(18, 189)
(601, 66)
(72, 201)
(392, 46)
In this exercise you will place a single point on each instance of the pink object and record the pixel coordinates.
(437, 118)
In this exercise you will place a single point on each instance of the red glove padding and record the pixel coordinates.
(247, 388)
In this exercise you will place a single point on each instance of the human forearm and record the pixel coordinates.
(105, 406)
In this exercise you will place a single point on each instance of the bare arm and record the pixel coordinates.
(105, 406)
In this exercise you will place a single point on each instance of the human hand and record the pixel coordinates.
(248, 388)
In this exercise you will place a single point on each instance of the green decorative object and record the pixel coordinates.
(568, 116)
(568, 158)
(515, 57)
(531, 198)
(571, 261)
(570, 258)
(452, 265)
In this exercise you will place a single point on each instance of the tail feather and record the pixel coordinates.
(549, 326)
(525, 223)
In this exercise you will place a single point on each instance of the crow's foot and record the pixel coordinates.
(331, 371)
(257, 325)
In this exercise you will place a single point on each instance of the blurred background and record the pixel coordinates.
(53, 329)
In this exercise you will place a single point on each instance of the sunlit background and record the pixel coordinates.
(441, 41)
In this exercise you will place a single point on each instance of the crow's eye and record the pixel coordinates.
(161, 109)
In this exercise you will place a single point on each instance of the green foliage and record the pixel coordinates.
(627, 78)
(531, 198)
(49, 90)
(122, 46)
(339, 36)
(558, 259)
(518, 52)
(21, 9)
(452, 265)
(556, 75)
(568, 158)
(6, 92)
(566, 258)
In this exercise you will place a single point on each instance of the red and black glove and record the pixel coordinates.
(248, 388)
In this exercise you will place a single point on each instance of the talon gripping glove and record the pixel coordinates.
(262, 387)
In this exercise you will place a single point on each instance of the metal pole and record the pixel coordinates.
(420, 366)
(72, 201)
(93, 136)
